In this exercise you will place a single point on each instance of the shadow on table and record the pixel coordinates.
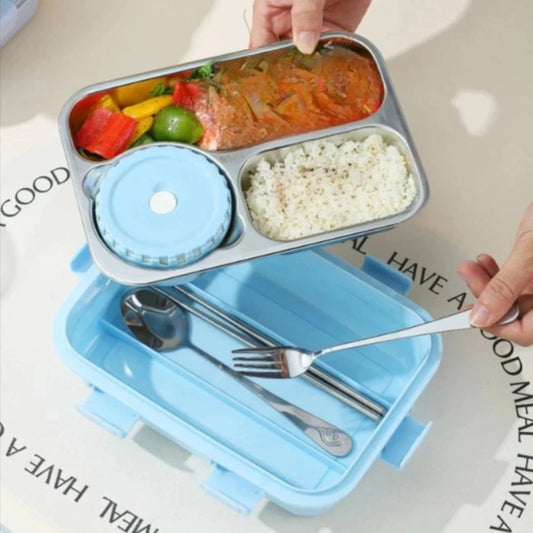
(168, 451)
(38, 52)
(465, 94)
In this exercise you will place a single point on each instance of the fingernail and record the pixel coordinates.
(480, 316)
(306, 41)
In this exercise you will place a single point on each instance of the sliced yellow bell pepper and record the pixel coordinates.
(143, 125)
(148, 107)
(107, 102)
(135, 92)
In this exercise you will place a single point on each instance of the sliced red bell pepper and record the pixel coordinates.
(106, 133)
(185, 94)
(93, 126)
(83, 108)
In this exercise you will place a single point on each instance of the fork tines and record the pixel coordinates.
(264, 363)
(272, 365)
(260, 358)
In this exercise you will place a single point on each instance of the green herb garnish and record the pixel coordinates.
(204, 72)
(160, 89)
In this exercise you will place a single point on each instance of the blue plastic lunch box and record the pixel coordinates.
(309, 298)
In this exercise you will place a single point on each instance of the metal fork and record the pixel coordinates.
(318, 377)
(291, 361)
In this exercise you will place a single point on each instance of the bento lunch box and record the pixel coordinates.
(308, 298)
(209, 225)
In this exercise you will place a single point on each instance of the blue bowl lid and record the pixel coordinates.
(162, 206)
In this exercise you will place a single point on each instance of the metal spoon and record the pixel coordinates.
(159, 322)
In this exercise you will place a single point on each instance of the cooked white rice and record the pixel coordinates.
(322, 186)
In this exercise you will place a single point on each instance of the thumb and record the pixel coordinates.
(307, 17)
(506, 286)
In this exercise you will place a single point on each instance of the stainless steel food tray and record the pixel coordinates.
(243, 241)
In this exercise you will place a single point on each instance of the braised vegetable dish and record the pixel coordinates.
(232, 104)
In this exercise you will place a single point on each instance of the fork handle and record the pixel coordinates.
(452, 322)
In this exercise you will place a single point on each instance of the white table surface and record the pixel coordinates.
(462, 71)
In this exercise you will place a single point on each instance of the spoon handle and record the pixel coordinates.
(326, 435)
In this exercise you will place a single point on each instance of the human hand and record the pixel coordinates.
(304, 20)
(497, 289)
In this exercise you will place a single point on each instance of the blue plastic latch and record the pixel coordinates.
(232, 489)
(82, 261)
(404, 442)
(386, 274)
(109, 413)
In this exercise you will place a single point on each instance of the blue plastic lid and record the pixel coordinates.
(162, 206)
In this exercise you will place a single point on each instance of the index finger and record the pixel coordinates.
(262, 35)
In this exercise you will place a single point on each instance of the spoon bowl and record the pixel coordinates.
(154, 319)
